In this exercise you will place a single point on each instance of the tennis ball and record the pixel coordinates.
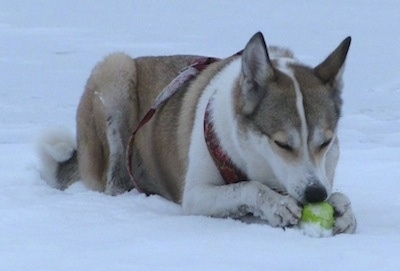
(318, 213)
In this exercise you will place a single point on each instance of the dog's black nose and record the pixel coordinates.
(315, 193)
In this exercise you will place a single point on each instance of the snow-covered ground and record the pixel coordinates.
(47, 49)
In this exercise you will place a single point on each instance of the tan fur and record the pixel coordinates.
(93, 149)
(114, 88)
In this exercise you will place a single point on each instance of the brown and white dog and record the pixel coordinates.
(274, 118)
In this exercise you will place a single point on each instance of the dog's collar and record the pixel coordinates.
(229, 172)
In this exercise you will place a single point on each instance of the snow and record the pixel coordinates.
(47, 50)
(315, 230)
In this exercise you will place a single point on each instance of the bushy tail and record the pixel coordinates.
(58, 155)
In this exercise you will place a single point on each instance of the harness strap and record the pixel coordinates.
(187, 74)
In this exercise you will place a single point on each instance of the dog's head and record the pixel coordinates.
(288, 115)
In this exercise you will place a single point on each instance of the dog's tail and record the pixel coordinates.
(59, 161)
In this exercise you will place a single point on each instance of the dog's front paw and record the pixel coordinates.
(345, 221)
(278, 210)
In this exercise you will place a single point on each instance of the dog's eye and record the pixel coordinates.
(325, 144)
(283, 145)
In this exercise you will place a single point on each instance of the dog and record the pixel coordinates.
(273, 119)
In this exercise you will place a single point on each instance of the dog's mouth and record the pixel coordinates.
(283, 192)
(280, 191)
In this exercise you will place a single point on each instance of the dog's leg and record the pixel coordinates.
(239, 199)
(117, 177)
(105, 118)
(118, 102)
(345, 221)
(102, 154)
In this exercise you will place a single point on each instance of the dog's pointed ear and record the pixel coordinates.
(256, 65)
(331, 69)
(257, 70)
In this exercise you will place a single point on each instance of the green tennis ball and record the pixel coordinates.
(318, 213)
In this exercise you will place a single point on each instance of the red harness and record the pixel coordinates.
(227, 169)
(229, 172)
